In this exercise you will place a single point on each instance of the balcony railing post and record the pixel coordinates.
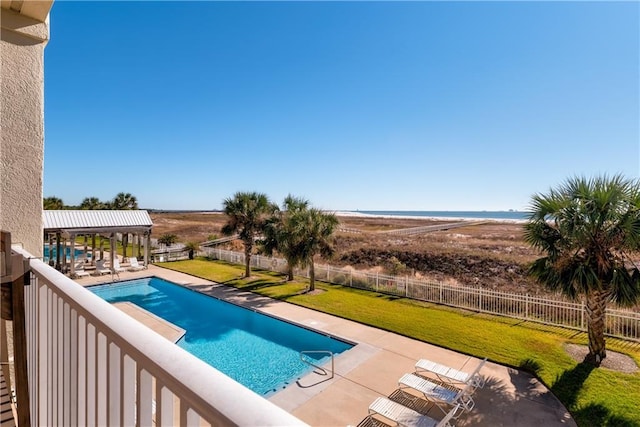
(20, 350)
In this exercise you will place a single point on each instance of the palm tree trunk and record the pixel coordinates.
(289, 272)
(312, 277)
(247, 264)
(247, 258)
(596, 306)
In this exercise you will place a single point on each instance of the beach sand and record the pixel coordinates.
(492, 254)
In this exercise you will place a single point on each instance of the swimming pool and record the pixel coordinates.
(258, 351)
(67, 251)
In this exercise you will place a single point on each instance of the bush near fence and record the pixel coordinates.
(620, 323)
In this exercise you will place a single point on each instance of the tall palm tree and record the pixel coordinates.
(52, 203)
(91, 203)
(314, 230)
(587, 229)
(124, 201)
(247, 215)
(280, 234)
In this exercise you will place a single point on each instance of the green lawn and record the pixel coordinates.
(595, 397)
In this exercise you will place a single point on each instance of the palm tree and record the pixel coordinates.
(191, 248)
(52, 203)
(280, 235)
(124, 201)
(314, 235)
(587, 229)
(247, 215)
(91, 203)
(168, 239)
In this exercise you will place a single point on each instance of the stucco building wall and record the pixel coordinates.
(22, 44)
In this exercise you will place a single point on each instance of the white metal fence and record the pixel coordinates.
(91, 364)
(623, 324)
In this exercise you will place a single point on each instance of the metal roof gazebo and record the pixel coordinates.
(68, 224)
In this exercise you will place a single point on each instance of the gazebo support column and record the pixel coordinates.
(50, 260)
(112, 241)
(147, 248)
(72, 269)
(93, 249)
(58, 247)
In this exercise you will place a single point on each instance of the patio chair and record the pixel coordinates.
(79, 270)
(101, 269)
(117, 268)
(406, 417)
(134, 266)
(439, 394)
(451, 375)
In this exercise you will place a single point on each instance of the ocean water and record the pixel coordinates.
(510, 215)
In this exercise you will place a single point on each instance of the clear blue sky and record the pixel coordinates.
(359, 105)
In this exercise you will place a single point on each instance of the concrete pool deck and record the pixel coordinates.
(372, 368)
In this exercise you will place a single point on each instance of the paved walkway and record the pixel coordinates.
(372, 369)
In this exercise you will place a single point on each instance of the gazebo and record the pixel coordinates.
(69, 224)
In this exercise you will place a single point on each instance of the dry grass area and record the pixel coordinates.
(492, 255)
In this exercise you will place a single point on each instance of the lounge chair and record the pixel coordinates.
(439, 394)
(101, 269)
(134, 266)
(79, 271)
(406, 417)
(117, 268)
(451, 375)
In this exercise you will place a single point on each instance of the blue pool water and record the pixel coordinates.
(66, 250)
(258, 351)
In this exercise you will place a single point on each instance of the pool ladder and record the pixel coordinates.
(324, 371)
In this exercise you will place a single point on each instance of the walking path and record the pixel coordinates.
(372, 368)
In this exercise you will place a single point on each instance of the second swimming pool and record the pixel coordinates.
(256, 350)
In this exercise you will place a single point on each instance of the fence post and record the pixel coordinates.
(526, 306)
(582, 316)
(440, 293)
(406, 287)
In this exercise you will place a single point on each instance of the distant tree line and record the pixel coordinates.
(122, 201)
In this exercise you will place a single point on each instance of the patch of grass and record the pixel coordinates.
(593, 396)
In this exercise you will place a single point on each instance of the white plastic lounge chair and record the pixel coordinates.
(406, 417)
(439, 394)
(134, 266)
(101, 269)
(117, 268)
(79, 271)
(451, 375)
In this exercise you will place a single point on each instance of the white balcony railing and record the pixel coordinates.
(91, 364)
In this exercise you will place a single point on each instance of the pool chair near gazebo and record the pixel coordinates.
(134, 266)
(80, 271)
(117, 268)
(101, 268)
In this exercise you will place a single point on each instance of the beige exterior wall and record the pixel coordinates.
(25, 33)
